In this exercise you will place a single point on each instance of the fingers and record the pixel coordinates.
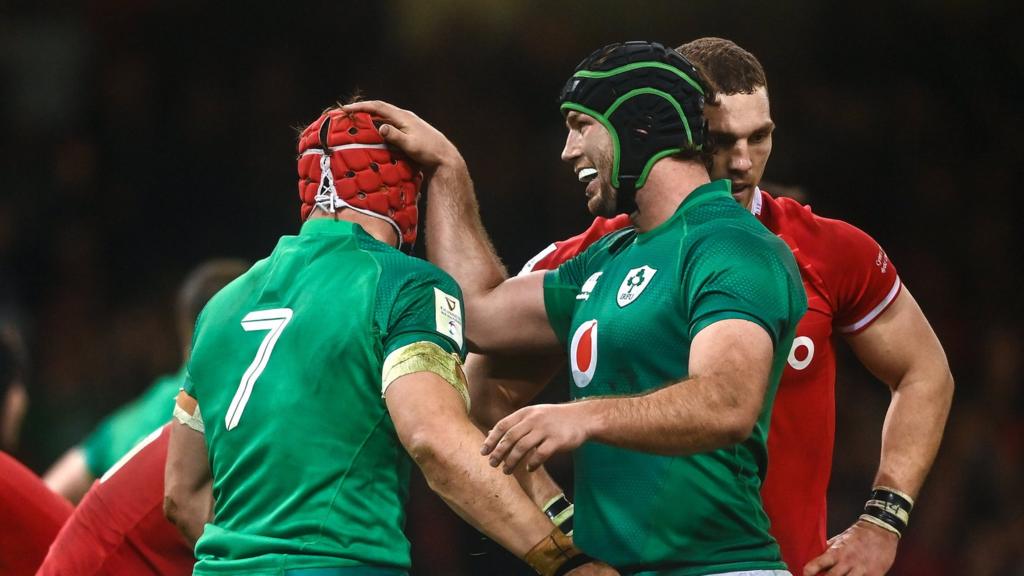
(822, 563)
(498, 432)
(520, 447)
(387, 112)
(540, 455)
(393, 136)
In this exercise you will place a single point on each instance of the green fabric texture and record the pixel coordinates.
(628, 308)
(312, 474)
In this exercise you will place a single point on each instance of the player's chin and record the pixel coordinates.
(743, 195)
(601, 204)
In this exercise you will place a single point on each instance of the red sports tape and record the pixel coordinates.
(367, 175)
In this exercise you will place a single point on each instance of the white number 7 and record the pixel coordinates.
(273, 320)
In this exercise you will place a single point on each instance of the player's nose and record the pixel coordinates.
(571, 150)
(739, 159)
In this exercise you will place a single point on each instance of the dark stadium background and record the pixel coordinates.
(140, 137)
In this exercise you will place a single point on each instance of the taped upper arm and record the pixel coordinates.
(425, 357)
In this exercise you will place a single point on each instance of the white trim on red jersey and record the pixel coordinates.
(528, 267)
(756, 202)
(876, 311)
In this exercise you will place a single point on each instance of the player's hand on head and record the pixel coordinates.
(534, 434)
(403, 129)
(863, 549)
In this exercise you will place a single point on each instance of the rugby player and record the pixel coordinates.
(312, 372)
(681, 325)
(30, 514)
(73, 474)
(853, 292)
(119, 526)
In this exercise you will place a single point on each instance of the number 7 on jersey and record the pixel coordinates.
(274, 321)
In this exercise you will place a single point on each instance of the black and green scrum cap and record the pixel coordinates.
(651, 100)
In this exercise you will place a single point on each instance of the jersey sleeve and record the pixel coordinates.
(741, 275)
(427, 308)
(187, 384)
(559, 252)
(861, 279)
(561, 286)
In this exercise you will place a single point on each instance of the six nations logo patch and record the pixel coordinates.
(448, 315)
(636, 281)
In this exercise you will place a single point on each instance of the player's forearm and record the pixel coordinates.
(913, 429)
(489, 500)
(189, 511)
(688, 417)
(500, 385)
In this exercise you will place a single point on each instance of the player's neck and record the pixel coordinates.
(669, 183)
(375, 227)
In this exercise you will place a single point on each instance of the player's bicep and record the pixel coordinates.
(511, 318)
(738, 355)
(423, 405)
(898, 341)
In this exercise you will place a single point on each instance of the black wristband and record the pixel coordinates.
(560, 511)
(890, 507)
(573, 563)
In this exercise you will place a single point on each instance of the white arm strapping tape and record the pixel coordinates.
(425, 357)
(193, 421)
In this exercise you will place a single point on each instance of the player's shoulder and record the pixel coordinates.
(787, 216)
(401, 272)
(562, 251)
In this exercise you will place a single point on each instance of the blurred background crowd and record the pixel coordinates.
(141, 137)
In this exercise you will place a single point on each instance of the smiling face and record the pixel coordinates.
(741, 127)
(588, 147)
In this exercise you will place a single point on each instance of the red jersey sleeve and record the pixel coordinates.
(559, 252)
(861, 279)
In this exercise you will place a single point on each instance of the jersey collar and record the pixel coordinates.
(329, 227)
(756, 203)
(703, 193)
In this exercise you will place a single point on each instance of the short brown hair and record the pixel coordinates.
(199, 286)
(731, 69)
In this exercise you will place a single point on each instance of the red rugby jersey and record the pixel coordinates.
(30, 517)
(849, 282)
(119, 527)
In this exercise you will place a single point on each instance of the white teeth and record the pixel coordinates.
(587, 174)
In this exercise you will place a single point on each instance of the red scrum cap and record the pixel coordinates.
(344, 163)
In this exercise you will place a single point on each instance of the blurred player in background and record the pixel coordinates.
(678, 328)
(312, 372)
(853, 291)
(119, 527)
(30, 514)
(73, 474)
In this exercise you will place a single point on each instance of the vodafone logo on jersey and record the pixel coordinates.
(802, 352)
(583, 353)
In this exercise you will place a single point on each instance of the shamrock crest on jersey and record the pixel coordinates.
(636, 281)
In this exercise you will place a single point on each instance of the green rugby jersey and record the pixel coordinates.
(121, 431)
(628, 308)
(286, 366)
